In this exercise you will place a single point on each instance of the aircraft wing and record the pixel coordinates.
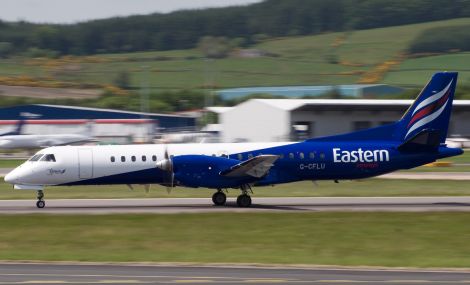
(257, 167)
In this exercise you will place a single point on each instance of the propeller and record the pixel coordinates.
(166, 165)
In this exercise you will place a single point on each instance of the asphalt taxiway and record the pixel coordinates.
(53, 273)
(201, 205)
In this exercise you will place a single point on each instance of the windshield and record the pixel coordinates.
(48, 157)
(36, 157)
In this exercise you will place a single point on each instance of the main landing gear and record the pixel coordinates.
(40, 203)
(244, 200)
(219, 198)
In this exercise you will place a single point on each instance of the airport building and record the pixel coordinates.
(104, 124)
(259, 120)
(352, 90)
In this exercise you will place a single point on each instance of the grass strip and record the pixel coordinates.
(360, 238)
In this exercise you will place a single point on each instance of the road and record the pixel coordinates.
(200, 205)
(56, 273)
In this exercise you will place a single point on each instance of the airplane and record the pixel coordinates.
(15, 139)
(17, 130)
(416, 139)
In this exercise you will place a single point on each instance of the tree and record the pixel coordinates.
(6, 49)
(122, 80)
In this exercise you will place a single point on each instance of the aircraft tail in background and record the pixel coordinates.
(17, 130)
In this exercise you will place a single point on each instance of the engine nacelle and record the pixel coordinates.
(204, 171)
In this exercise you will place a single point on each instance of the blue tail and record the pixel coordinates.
(426, 119)
(431, 110)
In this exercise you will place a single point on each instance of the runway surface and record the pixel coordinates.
(49, 273)
(200, 205)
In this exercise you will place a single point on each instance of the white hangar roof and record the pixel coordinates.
(307, 104)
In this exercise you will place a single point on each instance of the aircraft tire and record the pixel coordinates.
(244, 201)
(219, 198)
(40, 204)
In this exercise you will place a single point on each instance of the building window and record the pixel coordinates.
(154, 158)
(361, 125)
(113, 159)
(144, 158)
(133, 158)
(123, 158)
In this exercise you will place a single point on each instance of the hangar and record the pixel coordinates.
(259, 120)
(353, 90)
(105, 124)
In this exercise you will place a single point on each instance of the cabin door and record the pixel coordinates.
(85, 163)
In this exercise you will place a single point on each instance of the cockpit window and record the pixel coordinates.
(48, 157)
(36, 157)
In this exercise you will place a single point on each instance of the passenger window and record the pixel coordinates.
(123, 158)
(312, 155)
(301, 155)
(36, 157)
(48, 157)
(113, 159)
(144, 158)
(133, 158)
(281, 156)
(322, 155)
(240, 156)
(154, 157)
(291, 155)
(250, 156)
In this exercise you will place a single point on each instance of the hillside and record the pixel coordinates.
(374, 55)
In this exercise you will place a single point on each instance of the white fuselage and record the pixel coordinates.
(79, 163)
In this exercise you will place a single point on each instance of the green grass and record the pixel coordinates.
(299, 61)
(414, 71)
(372, 239)
(363, 188)
(10, 163)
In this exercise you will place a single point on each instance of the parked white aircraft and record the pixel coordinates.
(17, 140)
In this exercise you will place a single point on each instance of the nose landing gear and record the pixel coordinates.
(40, 203)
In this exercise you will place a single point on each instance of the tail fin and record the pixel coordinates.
(19, 127)
(17, 130)
(431, 110)
(425, 122)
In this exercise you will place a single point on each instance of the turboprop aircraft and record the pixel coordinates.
(417, 138)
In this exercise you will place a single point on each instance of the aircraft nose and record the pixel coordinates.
(11, 177)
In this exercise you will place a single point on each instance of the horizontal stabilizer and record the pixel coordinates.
(424, 141)
(256, 167)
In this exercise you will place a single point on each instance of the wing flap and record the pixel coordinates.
(257, 167)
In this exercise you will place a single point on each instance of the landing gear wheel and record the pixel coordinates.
(244, 201)
(40, 204)
(219, 198)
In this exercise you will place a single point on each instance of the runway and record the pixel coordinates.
(204, 205)
(50, 273)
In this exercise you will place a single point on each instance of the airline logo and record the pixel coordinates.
(429, 109)
(359, 155)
